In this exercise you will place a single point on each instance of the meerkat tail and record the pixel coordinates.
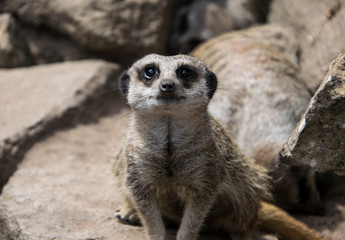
(273, 219)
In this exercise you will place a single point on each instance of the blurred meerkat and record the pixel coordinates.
(204, 19)
(179, 163)
(262, 101)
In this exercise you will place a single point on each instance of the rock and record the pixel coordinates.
(125, 28)
(38, 100)
(63, 190)
(319, 26)
(14, 51)
(49, 47)
(39, 46)
(318, 140)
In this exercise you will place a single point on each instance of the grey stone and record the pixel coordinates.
(319, 27)
(14, 51)
(125, 28)
(63, 188)
(318, 140)
(36, 101)
(50, 47)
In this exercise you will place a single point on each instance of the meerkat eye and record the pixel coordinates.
(150, 72)
(186, 73)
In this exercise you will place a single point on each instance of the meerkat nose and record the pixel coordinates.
(167, 87)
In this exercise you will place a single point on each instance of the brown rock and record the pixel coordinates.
(14, 51)
(319, 26)
(124, 28)
(36, 101)
(50, 47)
(318, 140)
(63, 188)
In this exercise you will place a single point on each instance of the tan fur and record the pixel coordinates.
(260, 101)
(273, 219)
(180, 163)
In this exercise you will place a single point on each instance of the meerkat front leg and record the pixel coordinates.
(148, 210)
(128, 214)
(196, 211)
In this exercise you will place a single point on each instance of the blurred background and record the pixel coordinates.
(60, 110)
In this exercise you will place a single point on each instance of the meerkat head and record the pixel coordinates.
(169, 83)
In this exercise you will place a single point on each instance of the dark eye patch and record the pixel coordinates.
(186, 73)
(149, 72)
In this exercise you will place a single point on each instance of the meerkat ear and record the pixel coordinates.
(123, 83)
(211, 83)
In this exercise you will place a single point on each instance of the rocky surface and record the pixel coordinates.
(127, 28)
(319, 26)
(318, 140)
(63, 188)
(14, 51)
(40, 99)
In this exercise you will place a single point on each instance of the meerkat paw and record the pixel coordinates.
(128, 216)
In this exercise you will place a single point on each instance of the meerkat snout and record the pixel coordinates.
(167, 87)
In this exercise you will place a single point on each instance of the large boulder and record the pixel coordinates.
(319, 27)
(35, 101)
(63, 188)
(124, 28)
(318, 140)
(14, 51)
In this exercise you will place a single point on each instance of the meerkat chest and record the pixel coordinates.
(170, 152)
(167, 137)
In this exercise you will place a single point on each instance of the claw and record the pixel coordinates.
(127, 216)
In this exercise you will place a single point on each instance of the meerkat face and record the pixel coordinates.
(169, 83)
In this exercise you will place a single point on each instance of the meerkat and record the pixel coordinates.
(179, 163)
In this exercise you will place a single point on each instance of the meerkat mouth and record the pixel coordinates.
(167, 100)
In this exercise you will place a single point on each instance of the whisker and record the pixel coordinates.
(111, 90)
(123, 114)
(224, 89)
(114, 126)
